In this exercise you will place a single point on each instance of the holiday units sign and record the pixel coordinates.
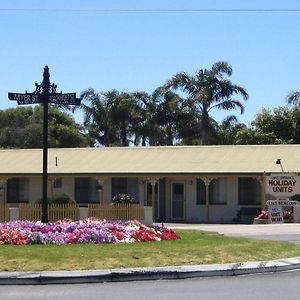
(283, 184)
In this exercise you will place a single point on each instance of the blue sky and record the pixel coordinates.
(107, 45)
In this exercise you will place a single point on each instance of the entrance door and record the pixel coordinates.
(153, 200)
(178, 197)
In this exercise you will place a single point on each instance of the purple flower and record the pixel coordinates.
(89, 231)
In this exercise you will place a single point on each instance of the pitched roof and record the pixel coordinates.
(153, 160)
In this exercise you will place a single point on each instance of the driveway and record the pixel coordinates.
(278, 232)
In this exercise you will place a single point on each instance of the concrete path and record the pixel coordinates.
(279, 232)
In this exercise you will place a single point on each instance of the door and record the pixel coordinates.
(153, 200)
(178, 200)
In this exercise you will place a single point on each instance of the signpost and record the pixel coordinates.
(45, 93)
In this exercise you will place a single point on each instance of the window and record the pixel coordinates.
(119, 186)
(201, 192)
(57, 183)
(86, 190)
(18, 190)
(217, 191)
(249, 191)
(128, 186)
(133, 189)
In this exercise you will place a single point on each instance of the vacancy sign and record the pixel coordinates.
(282, 184)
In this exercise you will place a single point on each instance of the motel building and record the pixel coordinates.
(192, 184)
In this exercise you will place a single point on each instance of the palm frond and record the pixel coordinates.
(293, 98)
(229, 105)
(220, 68)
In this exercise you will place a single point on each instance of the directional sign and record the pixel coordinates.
(64, 99)
(33, 98)
(27, 98)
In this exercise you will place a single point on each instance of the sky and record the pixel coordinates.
(137, 45)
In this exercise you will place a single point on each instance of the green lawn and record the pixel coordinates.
(194, 247)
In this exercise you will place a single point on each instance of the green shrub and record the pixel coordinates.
(58, 198)
(122, 199)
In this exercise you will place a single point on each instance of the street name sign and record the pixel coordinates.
(27, 98)
(56, 98)
(64, 99)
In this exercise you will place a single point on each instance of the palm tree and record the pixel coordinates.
(145, 126)
(206, 90)
(293, 99)
(109, 116)
(98, 121)
(122, 114)
(169, 113)
(228, 130)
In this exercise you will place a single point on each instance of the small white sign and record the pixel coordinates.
(275, 214)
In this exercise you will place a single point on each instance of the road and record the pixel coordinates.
(273, 286)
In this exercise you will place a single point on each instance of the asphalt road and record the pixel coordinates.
(273, 286)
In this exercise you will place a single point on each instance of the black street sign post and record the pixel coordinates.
(45, 93)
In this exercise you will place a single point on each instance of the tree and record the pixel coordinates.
(98, 118)
(123, 104)
(206, 90)
(23, 128)
(269, 127)
(108, 117)
(228, 129)
(144, 120)
(278, 121)
(293, 100)
(250, 136)
(169, 113)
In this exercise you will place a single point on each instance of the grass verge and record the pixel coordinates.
(194, 247)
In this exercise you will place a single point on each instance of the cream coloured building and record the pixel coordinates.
(181, 183)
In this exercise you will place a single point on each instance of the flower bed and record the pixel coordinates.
(89, 231)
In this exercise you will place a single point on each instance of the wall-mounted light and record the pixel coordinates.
(99, 188)
(278, 162)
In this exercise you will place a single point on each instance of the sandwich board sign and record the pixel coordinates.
(275, 208)
(275, 211)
